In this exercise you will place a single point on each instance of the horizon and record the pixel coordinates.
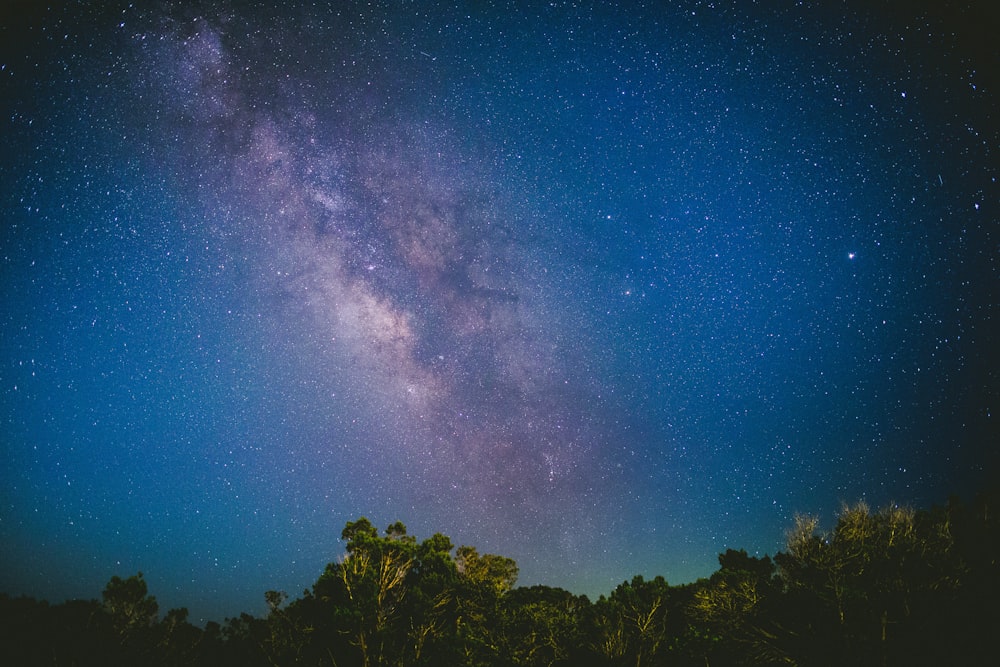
(603, 290)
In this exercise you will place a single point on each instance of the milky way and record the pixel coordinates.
(388, 260)
(607, 291)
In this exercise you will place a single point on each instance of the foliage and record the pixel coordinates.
(629, 627)
(883, 587)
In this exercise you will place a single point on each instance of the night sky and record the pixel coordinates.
(606, 290)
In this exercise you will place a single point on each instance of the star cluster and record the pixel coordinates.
(606, 290)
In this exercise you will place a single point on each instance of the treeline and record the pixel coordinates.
(887, 587)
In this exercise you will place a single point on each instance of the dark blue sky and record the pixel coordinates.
(605, 290)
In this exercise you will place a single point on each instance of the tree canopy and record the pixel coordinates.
(893, 586)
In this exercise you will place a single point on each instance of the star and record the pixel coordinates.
(420, 313)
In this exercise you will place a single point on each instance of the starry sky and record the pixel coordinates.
(605, 289)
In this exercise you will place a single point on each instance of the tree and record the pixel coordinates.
(366, 589)
(286, 637)
(359, 534)
(857, 586)
(887, 587)
(737, 607)
(178, 640)
(431, 602)
(483, 580)
(973, 533)
(542, 626)
(127, 603)
(631, 623)
(245, 637)
(497, 573)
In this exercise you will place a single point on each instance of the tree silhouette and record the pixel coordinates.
(894, 586)
(127, 603)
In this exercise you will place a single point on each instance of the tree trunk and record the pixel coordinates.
(884, 646)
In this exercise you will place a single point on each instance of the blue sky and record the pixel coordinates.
(605, 290)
